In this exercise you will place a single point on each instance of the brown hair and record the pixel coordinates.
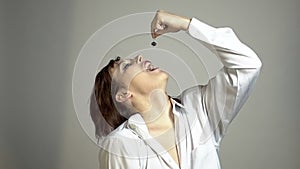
(102, 104)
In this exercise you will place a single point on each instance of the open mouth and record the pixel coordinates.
(149, 67)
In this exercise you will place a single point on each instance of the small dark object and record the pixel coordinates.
(118, 58)
(153, 43)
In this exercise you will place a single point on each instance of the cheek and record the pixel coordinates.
(132, 76)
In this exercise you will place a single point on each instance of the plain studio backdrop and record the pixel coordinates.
(40, 42)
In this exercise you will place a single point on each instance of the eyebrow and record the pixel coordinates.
(123, 60)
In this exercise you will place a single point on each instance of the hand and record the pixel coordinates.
(165, 22)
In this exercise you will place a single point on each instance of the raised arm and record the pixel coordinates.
(224, 94)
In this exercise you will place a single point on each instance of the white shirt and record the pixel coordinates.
(201, 118)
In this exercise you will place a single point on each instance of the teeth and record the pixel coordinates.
(150, 67)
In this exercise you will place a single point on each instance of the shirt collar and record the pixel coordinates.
(175, 106)
(176, 102)
(137, 124)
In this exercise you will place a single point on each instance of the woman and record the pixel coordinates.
(163, 132)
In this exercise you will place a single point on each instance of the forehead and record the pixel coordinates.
(115, 69)
(115, 66)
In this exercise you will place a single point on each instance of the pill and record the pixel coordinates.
(153, 43)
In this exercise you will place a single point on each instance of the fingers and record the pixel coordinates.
(159, 30)
(153, 27)
(164, 22)
(158, 27)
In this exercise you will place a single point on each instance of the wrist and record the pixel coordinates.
(185, 23)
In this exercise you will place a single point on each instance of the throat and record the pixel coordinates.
(156, 111)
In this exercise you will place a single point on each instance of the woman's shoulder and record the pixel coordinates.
(119, 136)
(117, 133)
(121, 142)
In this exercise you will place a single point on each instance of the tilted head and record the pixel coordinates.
(120, 84)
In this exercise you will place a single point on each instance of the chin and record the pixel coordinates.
(163, 79)
(163, 76)
(149, 81)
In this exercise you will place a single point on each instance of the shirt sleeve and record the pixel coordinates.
(225, 94)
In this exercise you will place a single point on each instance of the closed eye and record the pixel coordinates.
(126, 66)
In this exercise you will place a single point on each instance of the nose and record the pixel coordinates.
(139, 58)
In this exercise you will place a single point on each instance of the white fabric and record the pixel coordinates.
(202, 117)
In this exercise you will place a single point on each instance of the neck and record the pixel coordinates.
(155, 109)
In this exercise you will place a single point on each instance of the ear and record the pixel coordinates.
(123, 96)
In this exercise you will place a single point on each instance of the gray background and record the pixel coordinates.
(40, 41)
